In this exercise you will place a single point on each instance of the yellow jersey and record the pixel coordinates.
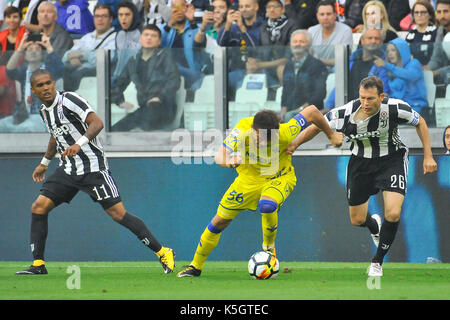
(266, 163)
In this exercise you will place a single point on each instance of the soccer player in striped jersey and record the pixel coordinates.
(74, 127)
(379, 159)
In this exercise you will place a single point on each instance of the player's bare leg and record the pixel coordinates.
(38, 234)
(358, 213)
(393, 202)
(119, 214)
(360, 216)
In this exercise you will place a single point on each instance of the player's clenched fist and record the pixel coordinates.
(429, 165)
(337, 139)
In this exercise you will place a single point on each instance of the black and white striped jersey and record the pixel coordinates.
(66, 121)
(376, 136)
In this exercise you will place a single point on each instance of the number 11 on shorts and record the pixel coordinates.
(99, 198)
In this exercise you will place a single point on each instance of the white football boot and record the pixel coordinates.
(375, 270)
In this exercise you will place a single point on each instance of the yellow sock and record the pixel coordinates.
(38, 263)
(269, 222)
(161, 252)
(208, 241)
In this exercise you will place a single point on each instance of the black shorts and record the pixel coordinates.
(61, 187)
(366, 177)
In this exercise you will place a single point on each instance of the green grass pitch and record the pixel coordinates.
(226, 281)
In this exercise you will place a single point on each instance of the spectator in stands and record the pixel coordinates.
(243, 24)
(422, 36)
(75, 17)
(362, 65)
(443, 17)
(396, 11)
(406, 78)
(303, 12)
(157, 12)
(206, 37)
(127, 39)
(275, 35)
(241, 32)
(179, 34)
(10, 39)
(130, 24)
(156, 78)
(446, 139)
(439, 62)
(200, 6)
(28, 10)
(59, 37)
(375, 16)
(352, 12)
(362, 62)
(36, 55)
(304, 78)
(113, 5)
(81, 60)
(328, 33)
(212, 22)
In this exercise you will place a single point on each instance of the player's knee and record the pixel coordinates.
(116, 215)
(116, 212)
(358, 221)
(267, 206)
(392, 215)
(39, 207)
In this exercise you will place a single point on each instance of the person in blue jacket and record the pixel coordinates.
(406, 77)
(179, 34)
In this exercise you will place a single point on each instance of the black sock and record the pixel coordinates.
(371, 223)
(38, 235)
(387, 236)
(138, 227)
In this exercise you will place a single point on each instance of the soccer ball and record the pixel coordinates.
(263, 265)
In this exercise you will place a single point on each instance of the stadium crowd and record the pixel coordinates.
(291, 42)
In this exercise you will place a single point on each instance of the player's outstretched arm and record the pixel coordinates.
(304, 136)
(39, 172)
(224, 159)
(429, 165)
(95, 125)
(312, 114)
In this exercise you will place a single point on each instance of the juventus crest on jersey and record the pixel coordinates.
(377, 135)
(65, 120)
